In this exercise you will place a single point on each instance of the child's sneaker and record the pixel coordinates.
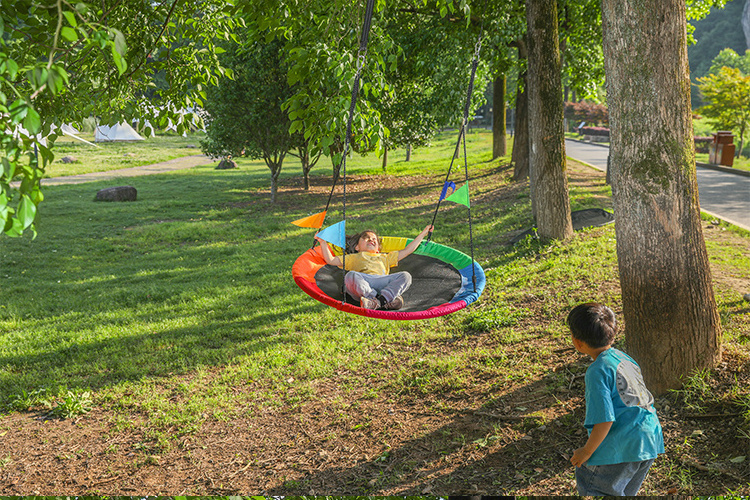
(368, 303)
(396, 303)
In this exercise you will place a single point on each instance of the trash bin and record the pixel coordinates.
(721, 150)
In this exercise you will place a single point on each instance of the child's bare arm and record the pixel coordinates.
(327, 255)
(409, 249)
(598, 433)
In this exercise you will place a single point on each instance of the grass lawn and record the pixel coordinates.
(106, 156)
(161, 346)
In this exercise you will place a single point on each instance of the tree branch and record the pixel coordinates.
(161, 33)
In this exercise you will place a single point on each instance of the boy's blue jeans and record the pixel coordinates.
(612, 480)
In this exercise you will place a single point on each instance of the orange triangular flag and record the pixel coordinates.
(315, 221)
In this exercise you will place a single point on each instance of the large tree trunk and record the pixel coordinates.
(499, 144)
(672, 324)
(520, 154)
(547, 167)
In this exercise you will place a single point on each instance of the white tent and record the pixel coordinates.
(68, 129)
(120, 132)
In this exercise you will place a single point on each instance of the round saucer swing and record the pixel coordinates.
(444, 280)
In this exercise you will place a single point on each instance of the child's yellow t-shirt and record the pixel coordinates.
(372, 263)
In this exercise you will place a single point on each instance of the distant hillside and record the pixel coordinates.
(721, 29)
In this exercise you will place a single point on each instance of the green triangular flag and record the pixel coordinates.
(460, 195)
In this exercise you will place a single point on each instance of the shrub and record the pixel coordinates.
(701, 143)
(593, 114)
(600, 131)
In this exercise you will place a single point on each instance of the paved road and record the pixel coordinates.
(725, 195)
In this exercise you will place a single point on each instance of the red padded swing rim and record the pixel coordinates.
(311, 261)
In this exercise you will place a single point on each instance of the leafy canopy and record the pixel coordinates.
(727, 93)
(62, 62)
(244, 113)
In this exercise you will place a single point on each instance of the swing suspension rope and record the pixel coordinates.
(361, 56)
(462, 137)
(353, 103)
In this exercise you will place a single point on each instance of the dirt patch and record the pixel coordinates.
(352, 433)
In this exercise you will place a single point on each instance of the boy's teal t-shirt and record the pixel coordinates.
(615, 392)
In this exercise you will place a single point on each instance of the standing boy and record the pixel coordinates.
(624, 432)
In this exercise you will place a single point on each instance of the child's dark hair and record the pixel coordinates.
(351, 241)
(593, 323)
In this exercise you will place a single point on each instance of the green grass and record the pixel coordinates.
(116, 155)
(177, 305)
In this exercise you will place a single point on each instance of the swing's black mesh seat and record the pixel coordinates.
(434, 282)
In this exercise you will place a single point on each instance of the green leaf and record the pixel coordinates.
(54, 82)
(121, 47)
(71, 18)
(26, 212)
(69, 34)
(119, 61)
(14, 229)
(4, 216)
(9, 170)
(2, 26)
(18, 110)
(12, 68)
(37, 76)
(32, 122)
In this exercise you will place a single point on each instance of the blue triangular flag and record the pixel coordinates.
(334, 234)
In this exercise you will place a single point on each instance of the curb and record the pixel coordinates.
(722, 168)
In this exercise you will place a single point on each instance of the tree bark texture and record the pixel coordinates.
(275, 166)
(499, 143)
(547, 163)
(520, 154)
(304, 157)
(672, 323)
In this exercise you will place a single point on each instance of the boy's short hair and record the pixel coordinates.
(593, 323)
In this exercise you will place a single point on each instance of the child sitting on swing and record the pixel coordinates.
(369, 279)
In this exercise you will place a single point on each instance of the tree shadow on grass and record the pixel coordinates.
(511, 443)
(79, 363)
